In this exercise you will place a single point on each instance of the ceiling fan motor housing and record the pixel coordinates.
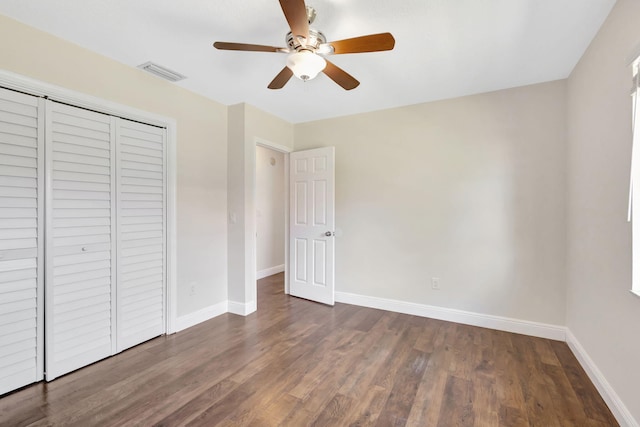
(316, 38)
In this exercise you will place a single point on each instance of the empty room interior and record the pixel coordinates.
(334, 213)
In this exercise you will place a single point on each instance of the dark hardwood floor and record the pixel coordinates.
(297, 363)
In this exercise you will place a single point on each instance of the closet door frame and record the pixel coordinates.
(63, 95)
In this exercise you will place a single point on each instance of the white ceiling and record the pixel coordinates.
(444, 48)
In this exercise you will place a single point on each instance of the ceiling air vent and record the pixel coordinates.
(160, 71)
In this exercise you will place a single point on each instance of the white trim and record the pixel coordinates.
(242, 309)
(611, 398)
(172, 233)
(116, 243)
(272, 145)
(57, 93)
(536, 329)
(286, 223)
(49, 344)
(202, 315)
(41, 182)
(261, 274)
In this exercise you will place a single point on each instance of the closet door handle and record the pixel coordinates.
(84, 249)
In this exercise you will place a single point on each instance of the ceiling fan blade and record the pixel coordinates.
(281, 79)
(338, 75)
(248, 47)
(370, 43)
(296, 13)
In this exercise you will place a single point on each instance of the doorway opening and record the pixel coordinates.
(270, 213)
(271, 201)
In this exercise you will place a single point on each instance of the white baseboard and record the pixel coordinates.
(507, 324)
(242, 309)
(204, 314)
(607, 392)
(261, 274)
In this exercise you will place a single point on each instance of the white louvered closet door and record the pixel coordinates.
(80, 296)
(141, 249)
(21, 232)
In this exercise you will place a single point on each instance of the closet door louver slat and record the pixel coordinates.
(141, 236)
(80, 247)
(21, 232)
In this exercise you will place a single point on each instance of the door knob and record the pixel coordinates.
(329, 233)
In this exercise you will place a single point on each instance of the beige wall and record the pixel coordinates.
(201, 145)
(601, 312)
(469, 190)
(269, 208)
(237, 251)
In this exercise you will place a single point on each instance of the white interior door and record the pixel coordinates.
(141, 159)
(21, 233)
(312, 224)
(80, 309)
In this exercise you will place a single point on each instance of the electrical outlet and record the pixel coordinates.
(435, 283)
(192, 289)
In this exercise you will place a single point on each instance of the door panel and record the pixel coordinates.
(312, 214)
(80, 242)
(21, 233)
(141, 233)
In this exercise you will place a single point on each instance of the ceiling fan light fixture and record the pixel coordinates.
(305, 64)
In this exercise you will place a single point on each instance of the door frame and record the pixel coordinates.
(286, 151)
(56, 93)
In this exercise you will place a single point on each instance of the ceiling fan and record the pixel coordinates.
(307, 47)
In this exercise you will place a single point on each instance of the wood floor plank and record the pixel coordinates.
(373, 360)
(367, 409)
(432, 387)
(398, 406)
(507, 368)
(545, 352)
(512, 417)
(297, 363)
(321, 365)
(385, 377)
(485, 402)
(334, 412)
(275, 412)
(538, 401)
(563, 396)
(457, 407)
(426, 339)
(595, 408)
